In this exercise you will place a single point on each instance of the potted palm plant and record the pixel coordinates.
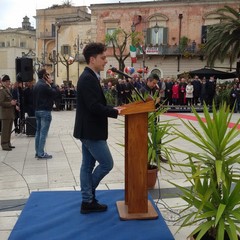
(159, 135)
(213, 200)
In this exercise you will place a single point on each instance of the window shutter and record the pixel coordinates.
(62, 50)
(148, 37)
(165, 36)
(204, 34)
(53, 30)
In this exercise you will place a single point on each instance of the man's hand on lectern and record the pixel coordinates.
(119, 108)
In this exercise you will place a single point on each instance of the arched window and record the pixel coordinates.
(157, 71)
(157, 31)
(208, 19)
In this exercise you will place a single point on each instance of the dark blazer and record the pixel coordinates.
(43, 96)
(92, 111)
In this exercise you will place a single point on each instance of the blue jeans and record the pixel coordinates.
(43, 120)
(90, 177)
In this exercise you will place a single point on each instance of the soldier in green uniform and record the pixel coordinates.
(7, 106)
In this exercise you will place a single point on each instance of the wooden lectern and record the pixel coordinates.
(136, 204)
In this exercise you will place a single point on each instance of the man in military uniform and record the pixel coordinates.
(7, 106)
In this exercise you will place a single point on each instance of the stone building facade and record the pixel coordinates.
(16, 43)
(175, 20)
(61, 34)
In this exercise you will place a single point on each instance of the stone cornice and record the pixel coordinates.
(159, 3)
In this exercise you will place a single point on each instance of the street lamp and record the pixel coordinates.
(156, 27)
(30, 54)
(77, 46)
(53, 58)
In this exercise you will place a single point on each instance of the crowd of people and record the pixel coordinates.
(22, 92)
(182, 92)
(17, 103)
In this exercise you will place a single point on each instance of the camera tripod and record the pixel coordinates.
(19, 121)
(19, 124)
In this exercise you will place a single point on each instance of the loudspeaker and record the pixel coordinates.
(31, 126)
(24, 69)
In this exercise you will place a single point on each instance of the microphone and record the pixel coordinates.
(113, 69)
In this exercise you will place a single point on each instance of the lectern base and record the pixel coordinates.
(124, 215)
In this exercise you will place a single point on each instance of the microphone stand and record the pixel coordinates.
(127, 76)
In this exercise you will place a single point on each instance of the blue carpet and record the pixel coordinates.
(56, 215)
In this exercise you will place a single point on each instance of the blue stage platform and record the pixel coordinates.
(56, 216)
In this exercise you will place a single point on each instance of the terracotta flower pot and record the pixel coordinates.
(152, 176)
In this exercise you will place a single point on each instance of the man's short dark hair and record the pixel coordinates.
(41, 73)
(92, 50)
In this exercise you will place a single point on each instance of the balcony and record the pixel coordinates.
(174, 50)
(47, 35)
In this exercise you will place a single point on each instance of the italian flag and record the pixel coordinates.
(133, 54)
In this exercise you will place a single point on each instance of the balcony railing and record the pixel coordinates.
(173, 50)
(47, 35)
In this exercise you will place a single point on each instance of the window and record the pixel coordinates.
(22, 44)
(158, 38)
(66, 50)
(209, 19)
(53, 30)
(156, 71)
(2, 44)
(110, 31)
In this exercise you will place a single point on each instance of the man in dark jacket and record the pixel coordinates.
(196, 90)
(44, 93)
(91, 127)
(210, 91)
(151, 88)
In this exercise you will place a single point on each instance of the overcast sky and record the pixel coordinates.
(12, 12)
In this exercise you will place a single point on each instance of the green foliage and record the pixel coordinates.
(223, 94)
(183, 44)
(223, 38)
(66, 3)
(213, 198)
(120, 41)
(159, 134)
(110, 97)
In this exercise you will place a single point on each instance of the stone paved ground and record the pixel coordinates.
(21, 173)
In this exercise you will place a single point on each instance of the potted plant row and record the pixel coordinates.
(213, 199)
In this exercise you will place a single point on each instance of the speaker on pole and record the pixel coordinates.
(24, 69)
